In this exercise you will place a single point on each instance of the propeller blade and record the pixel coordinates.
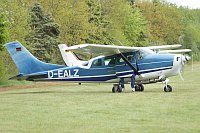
(184, 59)
(181, 76)
(137, 67)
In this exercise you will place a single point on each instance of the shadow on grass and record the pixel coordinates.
(60, 92)
(85, 92)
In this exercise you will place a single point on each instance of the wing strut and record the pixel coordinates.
(133, 68)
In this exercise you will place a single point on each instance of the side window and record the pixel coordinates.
(109, 61)
(97, 63)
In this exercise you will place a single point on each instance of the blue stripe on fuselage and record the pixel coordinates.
(104, 78)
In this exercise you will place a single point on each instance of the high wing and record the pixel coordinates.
(106, 50)
(97, 49)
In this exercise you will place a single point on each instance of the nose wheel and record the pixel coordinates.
(167, 88)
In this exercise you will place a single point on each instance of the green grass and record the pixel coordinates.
(93, 108)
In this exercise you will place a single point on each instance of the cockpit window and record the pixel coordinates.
(130, 58)
(140, 55)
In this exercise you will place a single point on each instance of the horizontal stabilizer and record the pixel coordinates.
(163, 47)
(175, 51)
(17, 77)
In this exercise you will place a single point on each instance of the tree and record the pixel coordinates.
(191, 32)
(3, 32)
(164, 21)
(135, 27)
(99, 23)
(43, 37)
(77, 25)
(127, 25)
(3, 38)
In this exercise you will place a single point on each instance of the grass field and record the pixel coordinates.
(92, 108)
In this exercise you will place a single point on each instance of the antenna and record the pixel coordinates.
(120, 42)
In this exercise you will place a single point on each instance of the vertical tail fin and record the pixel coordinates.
(25, 61)
(69, 58)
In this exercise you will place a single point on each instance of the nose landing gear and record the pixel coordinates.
(167, 88)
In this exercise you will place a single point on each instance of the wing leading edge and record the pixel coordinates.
(175, 51)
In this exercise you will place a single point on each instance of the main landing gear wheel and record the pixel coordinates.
(114, 89)
(139, 87)
(117, 88)
(168, 88)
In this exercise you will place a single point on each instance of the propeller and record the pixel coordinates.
(181, 76)
(184, 59)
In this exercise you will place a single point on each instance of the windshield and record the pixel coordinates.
(144, 52)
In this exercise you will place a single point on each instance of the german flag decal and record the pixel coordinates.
(19, 49)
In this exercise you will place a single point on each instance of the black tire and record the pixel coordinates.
(119, 89)
(137, 88)
(168, 88)
(141, 87)
(114, 90)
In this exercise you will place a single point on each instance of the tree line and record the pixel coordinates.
(41, 25)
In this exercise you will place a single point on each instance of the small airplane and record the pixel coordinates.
(111, 64)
